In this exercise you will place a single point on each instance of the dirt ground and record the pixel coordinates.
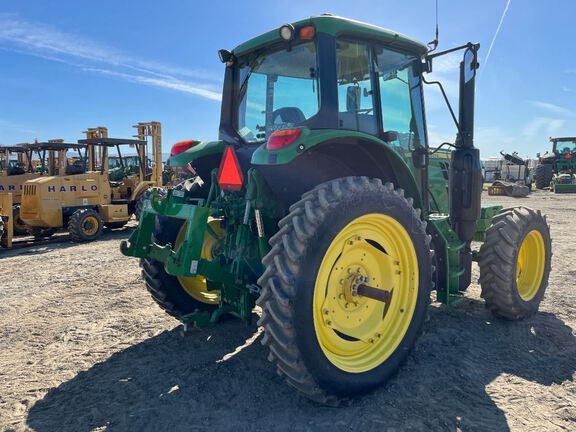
(83, 347)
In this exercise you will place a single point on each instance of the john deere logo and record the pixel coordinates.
(82, 188)
(9, 188)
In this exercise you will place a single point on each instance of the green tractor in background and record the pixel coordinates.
(557, 169)
(323, 203)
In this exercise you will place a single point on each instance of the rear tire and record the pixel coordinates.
(543, 174)
(515, 262)
(301, 254)
(85, 225)
(164, 288)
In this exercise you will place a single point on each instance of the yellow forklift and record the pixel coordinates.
(6, 220)
(86, 202)
(22, 162)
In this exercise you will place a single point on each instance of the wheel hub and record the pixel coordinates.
(365, 292)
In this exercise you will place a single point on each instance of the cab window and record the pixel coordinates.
(355, 93)
(401, 99)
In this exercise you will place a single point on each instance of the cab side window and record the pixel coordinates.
(401, 100)
(355, 93)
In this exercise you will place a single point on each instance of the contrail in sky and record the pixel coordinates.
(496, 34)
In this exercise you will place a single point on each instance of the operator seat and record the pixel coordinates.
(17, 170)
(75, 169)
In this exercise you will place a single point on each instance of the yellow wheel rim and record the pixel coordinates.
(195, 286)
(357, 333)
(530, 265)
(90, 225)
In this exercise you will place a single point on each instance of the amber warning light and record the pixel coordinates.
(230, 175)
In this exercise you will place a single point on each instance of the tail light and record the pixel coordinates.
(568, 156)
(182, 146)
(282, 138)
(230, 175)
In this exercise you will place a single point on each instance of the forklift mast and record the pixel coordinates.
(154, 131)
(93, 158)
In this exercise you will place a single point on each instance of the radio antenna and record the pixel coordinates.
(434, 44)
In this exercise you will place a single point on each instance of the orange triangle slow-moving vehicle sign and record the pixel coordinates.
(230, 175)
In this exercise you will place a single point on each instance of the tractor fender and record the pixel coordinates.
(198, 150)
(330, 154)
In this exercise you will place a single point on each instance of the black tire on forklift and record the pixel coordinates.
(40, 233)
(85, 225)
(164, 288)
(19, 225)
(303, 251)
(515, 262)
(543, 174)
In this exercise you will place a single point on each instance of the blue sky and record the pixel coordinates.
(68, 65)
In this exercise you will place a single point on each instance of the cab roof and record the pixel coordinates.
(562, 139)
(110, 142)
(336, 26)
(46, 145)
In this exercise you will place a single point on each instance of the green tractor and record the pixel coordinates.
(557, 169)
(323, 204)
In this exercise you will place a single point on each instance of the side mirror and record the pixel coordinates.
(224, 55)
(470, 64)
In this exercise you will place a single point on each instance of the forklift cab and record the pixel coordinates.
(128, 174)
(13, 160)
(56, 157)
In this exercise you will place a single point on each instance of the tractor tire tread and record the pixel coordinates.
(497, 261)
(284, 261)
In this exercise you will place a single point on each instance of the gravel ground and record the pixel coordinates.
(83, 347)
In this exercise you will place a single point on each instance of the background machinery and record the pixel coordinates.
(26, 161)
(323, 203)
(15, 168)
(557, 168)
(85, 201)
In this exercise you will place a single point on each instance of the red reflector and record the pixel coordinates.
(230, 175)
(182, 146)
(282, 138)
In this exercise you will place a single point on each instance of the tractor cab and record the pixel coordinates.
(564, 147)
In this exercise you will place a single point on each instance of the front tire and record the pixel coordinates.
(85, 225)
(327, 341)
(515, 262)
(543, 174)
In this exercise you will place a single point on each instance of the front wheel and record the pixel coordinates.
(346, 287)
(543, 175)
(85, 225)
(515, 262)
